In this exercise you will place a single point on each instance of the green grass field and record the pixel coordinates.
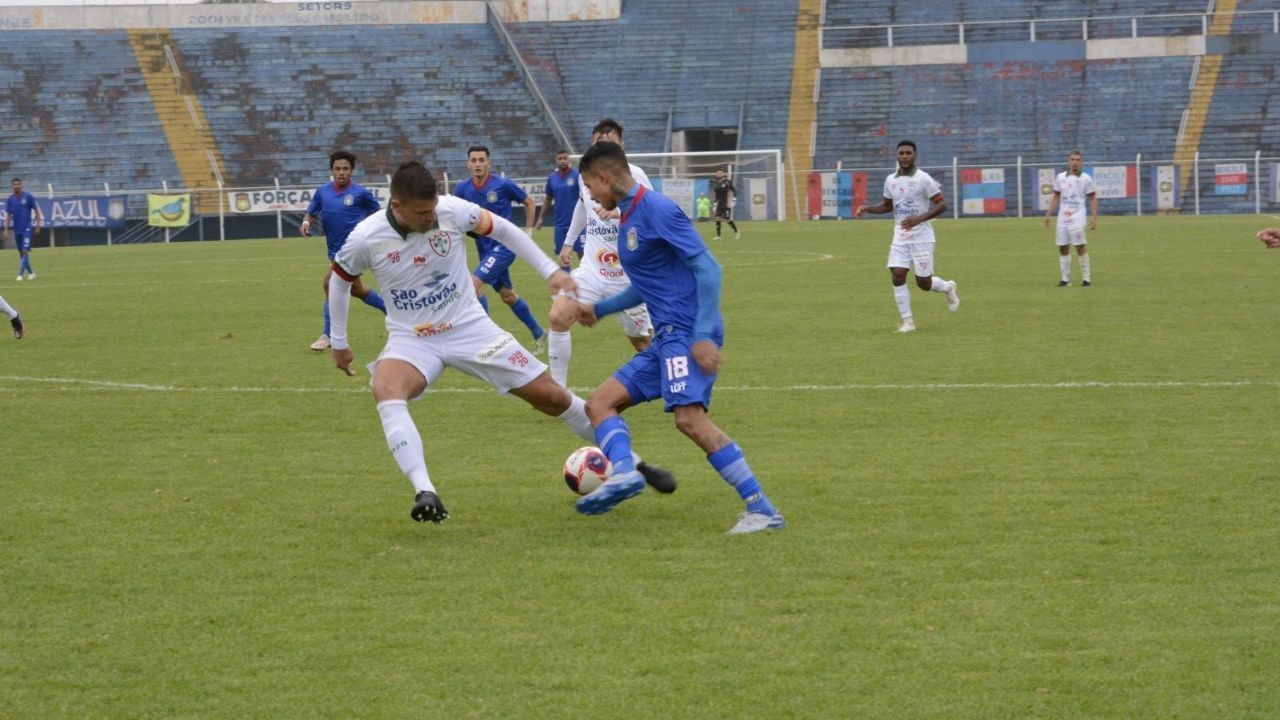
(1056, 503)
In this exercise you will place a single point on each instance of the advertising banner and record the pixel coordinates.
(982, 191)
(84, 211)
(1114, 181)
(1165, 193)
(1044, 181)
(169, 210)
(1273, 197)
(1231, 179)
(836, 194)
(286, 199)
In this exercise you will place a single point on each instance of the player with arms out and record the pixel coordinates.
(340, 204)
(674, 273)
(600, 273)
(415, 250)
(725, 197)
(19, 210)
(1070, 190)
(561, 195)
(496, 194)
(914, 198)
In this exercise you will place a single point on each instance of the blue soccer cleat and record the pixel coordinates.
(607, 496)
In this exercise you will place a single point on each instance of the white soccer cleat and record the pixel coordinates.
(753, 522)
(715, 238)
(737, 234)
(953, 298)
(540, 345)
(19, 278)
(32, 276)
(908, 325)
(321, 343)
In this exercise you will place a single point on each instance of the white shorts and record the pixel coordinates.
(480, 349)
(918, 256)
(1070, 235)
(592, 289)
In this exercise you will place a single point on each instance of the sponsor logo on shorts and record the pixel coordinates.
(493, 348)
(432, 329)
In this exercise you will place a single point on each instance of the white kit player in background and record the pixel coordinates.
(416, 250)
(1070, 190)
(599, 274)
(914, 198)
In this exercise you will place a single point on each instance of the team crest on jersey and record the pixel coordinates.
(633, 240)
(439, 243)
(348, 200)
(570, 182)
(491, 196)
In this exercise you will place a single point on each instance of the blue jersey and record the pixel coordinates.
(496, 196)
(562, 188)
(340, 211)
(19, 208)
(655, 238)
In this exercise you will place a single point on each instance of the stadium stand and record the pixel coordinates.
(735, 62)
(75, 112)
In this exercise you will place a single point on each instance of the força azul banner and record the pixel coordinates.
(84, 211)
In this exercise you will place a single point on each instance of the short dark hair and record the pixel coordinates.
(412, 181)
(607, 125)
(561, 152)
(342, 155)
(15, 180)
(603, 155)
(908, 143)
(478, 148)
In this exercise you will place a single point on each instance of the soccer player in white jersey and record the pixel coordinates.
(915, 199)
(599, 274)
(1070, 190)
(417, 252)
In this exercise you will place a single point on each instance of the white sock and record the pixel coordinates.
(902, 296)
(1064, 264)
(940, 285)
(559, 350)
(405, 443)
(7, 309)
(1084, 268)
(576, 418)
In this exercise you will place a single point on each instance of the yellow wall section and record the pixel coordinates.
(185, 126)
(803, 111)
(1201, 97)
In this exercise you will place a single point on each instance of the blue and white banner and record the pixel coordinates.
(286, 199)
(679, 190)
(84, 211)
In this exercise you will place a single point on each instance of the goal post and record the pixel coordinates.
(759, 191)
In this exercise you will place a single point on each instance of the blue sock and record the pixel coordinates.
(326, 317)
(484, 303)
(522, 311)
(373, 299)
(614, 438)
(732, 466)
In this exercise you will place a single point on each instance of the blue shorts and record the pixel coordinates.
(495, 269)
(666, 369)
(561, 234)
(22, 239)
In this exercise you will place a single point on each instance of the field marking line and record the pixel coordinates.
(79, 383)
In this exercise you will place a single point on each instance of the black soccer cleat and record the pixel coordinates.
(428, 508)
(1064, 283)
(1086, 283)
(664, 481)
(19, 329)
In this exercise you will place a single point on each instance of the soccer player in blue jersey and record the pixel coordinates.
(340, 205)
(561, 195)
(496, 194)
(673, 272)
(19, 210)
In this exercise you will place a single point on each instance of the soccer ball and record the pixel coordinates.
(585, 469)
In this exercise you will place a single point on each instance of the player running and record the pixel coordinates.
(673, 272)
(599, 274)
(496, 194)
(340, 204)
(19, 210)
(415, 250)
(914, 198)
(1071, 189)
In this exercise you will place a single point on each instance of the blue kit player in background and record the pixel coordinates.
(340, 205)
(562, 196)
(19, 210)
(496, 194)
(673, 272)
